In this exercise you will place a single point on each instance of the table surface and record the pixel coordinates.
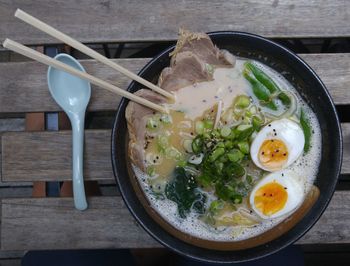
(28, 156)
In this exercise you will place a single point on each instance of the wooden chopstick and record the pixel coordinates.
(88, 51)
(23, 50)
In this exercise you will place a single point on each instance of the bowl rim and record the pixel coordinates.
(316, 215)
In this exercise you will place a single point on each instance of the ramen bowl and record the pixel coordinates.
(315, 94)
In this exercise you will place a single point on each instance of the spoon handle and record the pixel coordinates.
(77, 121)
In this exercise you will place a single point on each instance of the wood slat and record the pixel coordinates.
(23, 86)
(111, 21)
(53, 223)
(46, 156)
(28, 156)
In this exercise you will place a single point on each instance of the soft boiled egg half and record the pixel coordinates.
(277, 145)
(277, 194)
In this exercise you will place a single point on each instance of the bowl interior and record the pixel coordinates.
(309, 86)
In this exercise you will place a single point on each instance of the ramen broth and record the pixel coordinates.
(168, 145)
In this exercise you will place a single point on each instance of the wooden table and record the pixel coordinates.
(38, 152)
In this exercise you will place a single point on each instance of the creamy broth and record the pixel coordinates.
(192, 104)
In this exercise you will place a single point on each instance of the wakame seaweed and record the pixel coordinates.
(182, 189)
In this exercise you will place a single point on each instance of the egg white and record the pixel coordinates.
(286, 130)
(294, 188)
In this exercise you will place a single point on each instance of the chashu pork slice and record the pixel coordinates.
(136, 116)
(192, 61)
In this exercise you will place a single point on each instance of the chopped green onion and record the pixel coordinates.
(235, 155)
(208, 124)
(199, 127)
(257, 122)
(197, 144)
(225, 131)
(216, 154)
(243, 147)
(242, 101)
(152, 123)
(151, 170)
(163, 141)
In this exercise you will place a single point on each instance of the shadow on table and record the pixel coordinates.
(290, 256)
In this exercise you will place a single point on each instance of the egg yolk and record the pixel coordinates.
(270, 198)
(273, 154)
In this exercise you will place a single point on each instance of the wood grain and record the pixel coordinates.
(23, 86)
(46, 156)
(52, 159)
(53, 223)
(155, 20)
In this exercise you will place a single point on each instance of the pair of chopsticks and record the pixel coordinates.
(25, 51)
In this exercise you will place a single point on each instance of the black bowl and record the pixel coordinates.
(313, 91)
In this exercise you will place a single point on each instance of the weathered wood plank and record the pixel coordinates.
(53, 223)
(46, 156)
(52, 159)
(10, 262)
(106, 21)
(23, 86)
(334, 71)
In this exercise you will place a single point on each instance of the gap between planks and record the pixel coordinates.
(52, 159)
(103, 22)
(18, 96)
(53, 223)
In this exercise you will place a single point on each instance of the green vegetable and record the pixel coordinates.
(305, 124)
(242, 101)
(162, 143)
(208, 124)
(216, 153)
(228, 144)
(197, 144)
(173, 153)
(262, 77)
(257, 123)
(199, 127)
(249, 179)
(226, 192)
(260, 91)
(243, 146)
(152, 123)
(225, 131)
(235, 155)
(151, 170)
(265, 83)
(271, 105)
(284, 98)
(215, 205)
(205, 179)
(233, 169)
(182, 189)
(243, 132)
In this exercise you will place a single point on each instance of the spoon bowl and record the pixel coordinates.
(72, 94)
